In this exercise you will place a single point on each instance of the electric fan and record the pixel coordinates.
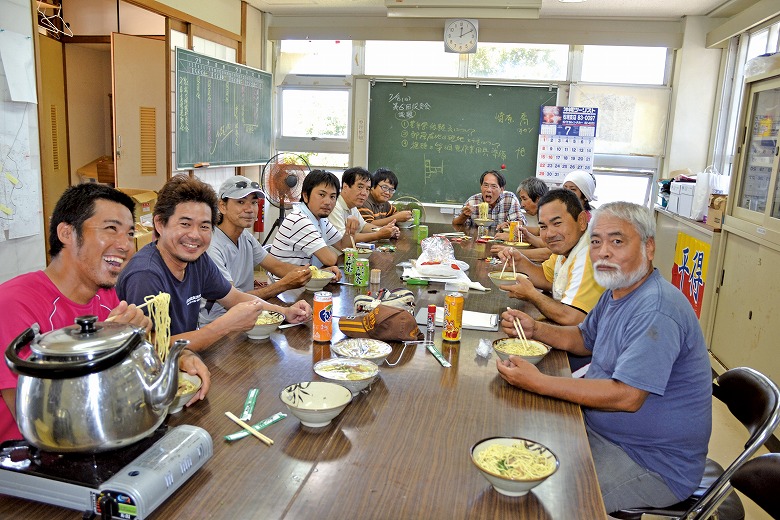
(282, 179)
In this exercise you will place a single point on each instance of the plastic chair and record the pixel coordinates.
(759, 480)
(755, 401)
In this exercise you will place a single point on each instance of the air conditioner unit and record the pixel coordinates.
(523, 9)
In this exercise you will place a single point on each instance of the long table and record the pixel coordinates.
(398, 451)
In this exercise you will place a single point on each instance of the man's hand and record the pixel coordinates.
(351, 226)
(241, 316)
(296, 278)
(466, 210)
(298, 312)
(526, 322)
(522, 290)
(507, 253)
(124, 313)
(517, 372)
(335, 270)
(192, 364)
(389, 230)
(402, 216)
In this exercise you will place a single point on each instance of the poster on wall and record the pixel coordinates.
(689, 272)
(566, 136)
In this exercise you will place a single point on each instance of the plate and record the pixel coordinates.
(521, 245)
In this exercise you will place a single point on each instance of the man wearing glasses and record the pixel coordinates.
(377, 208)
(504, 206)
(355, 185)
(236, 251)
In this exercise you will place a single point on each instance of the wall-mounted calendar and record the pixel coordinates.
(566, 136)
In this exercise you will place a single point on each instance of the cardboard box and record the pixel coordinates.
(141, 239)
(144, 204)
(681, 198)
(716, 210)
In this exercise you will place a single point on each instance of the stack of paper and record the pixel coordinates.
(471, 320)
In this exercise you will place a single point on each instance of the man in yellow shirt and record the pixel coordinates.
(568, 273)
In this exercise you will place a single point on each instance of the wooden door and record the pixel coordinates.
(138, 90)
(53, 124)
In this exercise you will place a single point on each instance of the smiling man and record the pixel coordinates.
(504, 206)
(175, 263)
(355, 185)
(90, 239)
(377, 209)
(647, 396)
(568, 273)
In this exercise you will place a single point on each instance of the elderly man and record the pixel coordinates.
(568, 273)
(184, 219)
(90, 239)
(355, 185)
(503, 205)
(236, 251)
(647, 397)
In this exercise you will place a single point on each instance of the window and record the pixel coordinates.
(317, 114)
(406, 59)
(513, 61)
(613, 64)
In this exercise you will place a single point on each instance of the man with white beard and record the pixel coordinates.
(647, 397)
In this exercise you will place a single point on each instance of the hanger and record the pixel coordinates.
(48, 22)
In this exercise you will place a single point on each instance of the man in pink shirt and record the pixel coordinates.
(90, 239)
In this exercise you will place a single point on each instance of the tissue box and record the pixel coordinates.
(681, 198)
(715, 211)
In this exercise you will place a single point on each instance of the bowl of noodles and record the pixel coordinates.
(267, 322)
(513, 465)
(532, 351)
(188, 387)
(355, 374)
(371, 349)
(498, 278)
(319, 279)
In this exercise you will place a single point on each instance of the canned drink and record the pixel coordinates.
(350, 256)
(362, 272)
(513, 232)
(430, 329)
(416, 216)
(422, 233)
(322, 319)
(453, 316)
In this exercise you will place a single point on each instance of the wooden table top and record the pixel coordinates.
(400, 450)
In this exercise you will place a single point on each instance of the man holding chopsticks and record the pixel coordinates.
(647, 396)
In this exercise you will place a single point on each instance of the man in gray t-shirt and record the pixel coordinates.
(236, 252)
(647, 396)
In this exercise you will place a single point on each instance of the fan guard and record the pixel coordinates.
(282, 179)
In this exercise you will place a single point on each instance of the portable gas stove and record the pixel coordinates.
(128, 483)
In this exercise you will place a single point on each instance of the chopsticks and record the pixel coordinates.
(248, 428)
(144, 304)
(519, 330)
(501, 276)
(353, 242)
(514, 272)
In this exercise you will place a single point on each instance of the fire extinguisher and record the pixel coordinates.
(259, 223)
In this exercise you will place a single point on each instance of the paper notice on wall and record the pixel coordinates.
(16, 52)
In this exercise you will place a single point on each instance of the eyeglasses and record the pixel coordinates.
(490, 186)
(243, 184)
(387, 189)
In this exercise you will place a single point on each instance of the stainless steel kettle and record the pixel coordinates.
(91, 387)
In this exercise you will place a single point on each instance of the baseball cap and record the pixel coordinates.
(384, 322)
(238, 187)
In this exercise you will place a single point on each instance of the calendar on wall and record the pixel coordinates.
(566, 136)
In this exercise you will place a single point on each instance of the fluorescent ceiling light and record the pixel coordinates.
(460, 12)
(571, 1)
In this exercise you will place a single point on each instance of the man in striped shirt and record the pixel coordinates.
(306, 234)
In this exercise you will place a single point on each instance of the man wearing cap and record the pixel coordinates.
(236, 251)
(184, 218)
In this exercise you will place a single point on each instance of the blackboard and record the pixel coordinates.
(223, 112)
(439, 138)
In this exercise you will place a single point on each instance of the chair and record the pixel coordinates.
(755, 401)
(759, 480)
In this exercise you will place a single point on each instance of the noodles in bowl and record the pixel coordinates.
(532, 351)
(513, 465)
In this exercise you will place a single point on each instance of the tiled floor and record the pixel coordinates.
(727, 440)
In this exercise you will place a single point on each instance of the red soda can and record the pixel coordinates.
(322, 319)
(453, 316)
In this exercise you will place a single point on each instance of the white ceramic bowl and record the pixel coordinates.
(508, 278)
(318, 284)
(188, 386)
(507, 486)
(483, 221)
(354, 374)
(264, 330)
(500, 345)
(409, 224)
(315, 403)
(363, 348)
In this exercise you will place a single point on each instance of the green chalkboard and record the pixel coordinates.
(439, 138)
(223, 112)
